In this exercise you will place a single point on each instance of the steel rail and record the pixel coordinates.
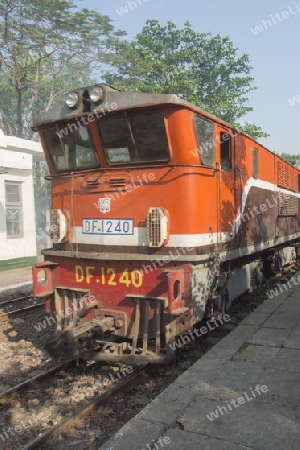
(34, 380)
(85, 410)
(13, 300)
(5, 315)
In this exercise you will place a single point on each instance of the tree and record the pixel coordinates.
(252, 130)
(46, 48)
(203, 69)
(292, 159)
(42, 198)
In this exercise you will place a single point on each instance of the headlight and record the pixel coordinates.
(72, 99)
(96, 94)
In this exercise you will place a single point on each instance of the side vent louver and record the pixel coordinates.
(93, 183)
(118, 182)
(106, 182)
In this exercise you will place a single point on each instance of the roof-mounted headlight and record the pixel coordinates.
(72, 99)
(96, 94)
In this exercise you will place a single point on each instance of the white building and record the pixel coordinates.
(17, 209)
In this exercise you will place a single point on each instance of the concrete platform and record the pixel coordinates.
(243, 394)
(15, 282)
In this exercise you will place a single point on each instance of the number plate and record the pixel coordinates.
(108, 276)
(107, 226)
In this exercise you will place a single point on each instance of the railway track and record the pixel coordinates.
(14, 300)
(85, 410)
(32, 382)
(53, 386)
(18, 306)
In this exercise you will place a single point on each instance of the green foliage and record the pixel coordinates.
(41, 193)
(42, 186)
(203, 69)
(46, 48)
(292, 159)
(252, 130)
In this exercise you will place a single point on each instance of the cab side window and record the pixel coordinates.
(225, 148)
(206, 141)
(255, 162)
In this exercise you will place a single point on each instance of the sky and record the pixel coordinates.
(273, 50)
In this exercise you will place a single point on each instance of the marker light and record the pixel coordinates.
(72, 99)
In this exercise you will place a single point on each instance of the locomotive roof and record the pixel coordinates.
(123, 100)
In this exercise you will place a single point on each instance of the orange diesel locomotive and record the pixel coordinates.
(161, 213)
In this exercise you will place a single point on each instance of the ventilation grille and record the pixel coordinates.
(286, 176)
(287, 205)
(157, 227)
(105, 181)
(93, 183)
(118, 182)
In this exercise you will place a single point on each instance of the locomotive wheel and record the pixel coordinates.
(272, 264)
(276, 265)
(57, 344)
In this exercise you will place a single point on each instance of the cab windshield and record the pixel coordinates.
(70, 147)
(134, 137)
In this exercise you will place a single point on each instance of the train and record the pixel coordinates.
(162, 214)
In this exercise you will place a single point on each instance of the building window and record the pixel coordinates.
(255, 162)
(225, 141)
(206, 141)
(13, 199)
